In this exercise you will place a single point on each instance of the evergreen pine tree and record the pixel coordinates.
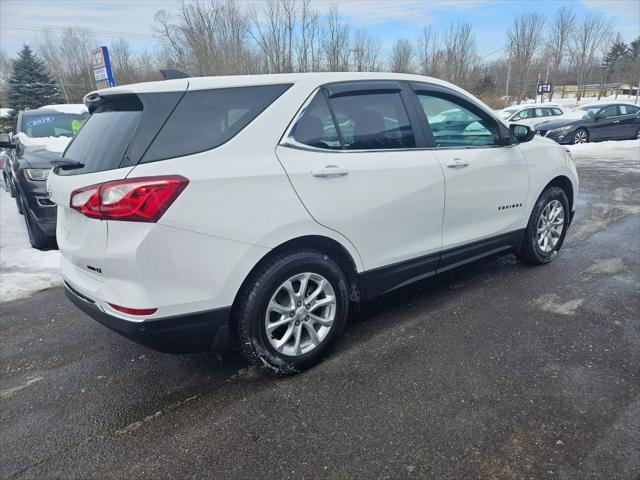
(31, 85)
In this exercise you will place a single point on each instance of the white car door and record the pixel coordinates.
(486, 181)
(366, 179)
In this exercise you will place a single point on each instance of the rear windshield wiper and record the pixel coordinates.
(65, 164)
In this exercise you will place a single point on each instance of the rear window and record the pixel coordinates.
(103, 140)
(127, 129)
(205, 119)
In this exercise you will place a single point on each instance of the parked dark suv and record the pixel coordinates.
(41, 135)
(596, 122)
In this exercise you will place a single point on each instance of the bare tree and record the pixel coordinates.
(460, 55)
(308, 54)
(402, 53)
(525, 39)
(336, 42)
(273, 31)
(6, 69)
(68, 55)
(560, 31)
(208, 38)
(425, 50)
(584, 44)
(366, 52)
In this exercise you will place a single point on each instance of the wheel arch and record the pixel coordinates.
(563, 182)
(324, 244)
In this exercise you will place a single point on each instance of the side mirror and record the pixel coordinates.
(6, 140)
(521, 133)
(597, 117)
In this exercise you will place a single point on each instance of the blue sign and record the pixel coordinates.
(102, 68)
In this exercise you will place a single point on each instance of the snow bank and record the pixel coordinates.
(76, 108)
(23, 269)
(5, 112)
(621, 156)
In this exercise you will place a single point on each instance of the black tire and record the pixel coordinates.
(637, 134)
(251, 307)
(12, 188)
(576, 137)
(529, 251)
(37, 237)
(19, 204)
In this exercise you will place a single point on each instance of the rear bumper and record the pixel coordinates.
(198, 332)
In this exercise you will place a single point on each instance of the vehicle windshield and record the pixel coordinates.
(586, 112)
(507, 112)
(52, 124)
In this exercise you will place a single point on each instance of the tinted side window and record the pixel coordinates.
(628, 109)
(316, 127)
(205, 119)
(556, 111)
(373, 121)
(610, 111)
(455, 125)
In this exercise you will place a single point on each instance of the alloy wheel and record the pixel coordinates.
(580, 137)
(550, 226)
(300, 314)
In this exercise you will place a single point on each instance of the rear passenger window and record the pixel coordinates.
(455, 125)
(373, 121)
(316, 127)
(205, 119)
(628, 109)
(556, 111)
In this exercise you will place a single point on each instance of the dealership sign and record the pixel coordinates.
(102, 68)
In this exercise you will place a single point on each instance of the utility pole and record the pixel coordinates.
(537, 87)
(506, 93)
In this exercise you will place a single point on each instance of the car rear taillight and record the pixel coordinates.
(134, 311)
(143, 199)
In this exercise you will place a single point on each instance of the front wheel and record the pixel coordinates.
(37, 237)
(291, 312)
(546, 229)
(580, 136)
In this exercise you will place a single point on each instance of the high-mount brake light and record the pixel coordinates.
(143, 199)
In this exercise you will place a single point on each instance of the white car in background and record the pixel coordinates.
(531, 115)
(263, 208)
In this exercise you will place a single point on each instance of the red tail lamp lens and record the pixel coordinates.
(134, 311)
(143, 199)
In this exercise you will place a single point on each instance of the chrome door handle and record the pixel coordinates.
(457, 163)
(616, 121)
(330, 171)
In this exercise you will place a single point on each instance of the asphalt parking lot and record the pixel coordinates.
(494, 371)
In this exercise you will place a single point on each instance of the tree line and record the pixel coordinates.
(225, 37)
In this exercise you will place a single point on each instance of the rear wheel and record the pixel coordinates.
(580, 136)
(546, 229)
(291, 312)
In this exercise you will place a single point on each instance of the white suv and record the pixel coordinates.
(531, 115)
(260, 209)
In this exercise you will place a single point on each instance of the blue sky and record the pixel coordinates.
(386, 19)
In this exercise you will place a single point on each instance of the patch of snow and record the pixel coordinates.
(77, 108)
(58, 144)
(28, 141)
(621, 155)
(5, 112)
(23, 269)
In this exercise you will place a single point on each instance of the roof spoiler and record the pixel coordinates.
(171, 74)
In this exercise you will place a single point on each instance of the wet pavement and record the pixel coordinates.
(495, 371)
